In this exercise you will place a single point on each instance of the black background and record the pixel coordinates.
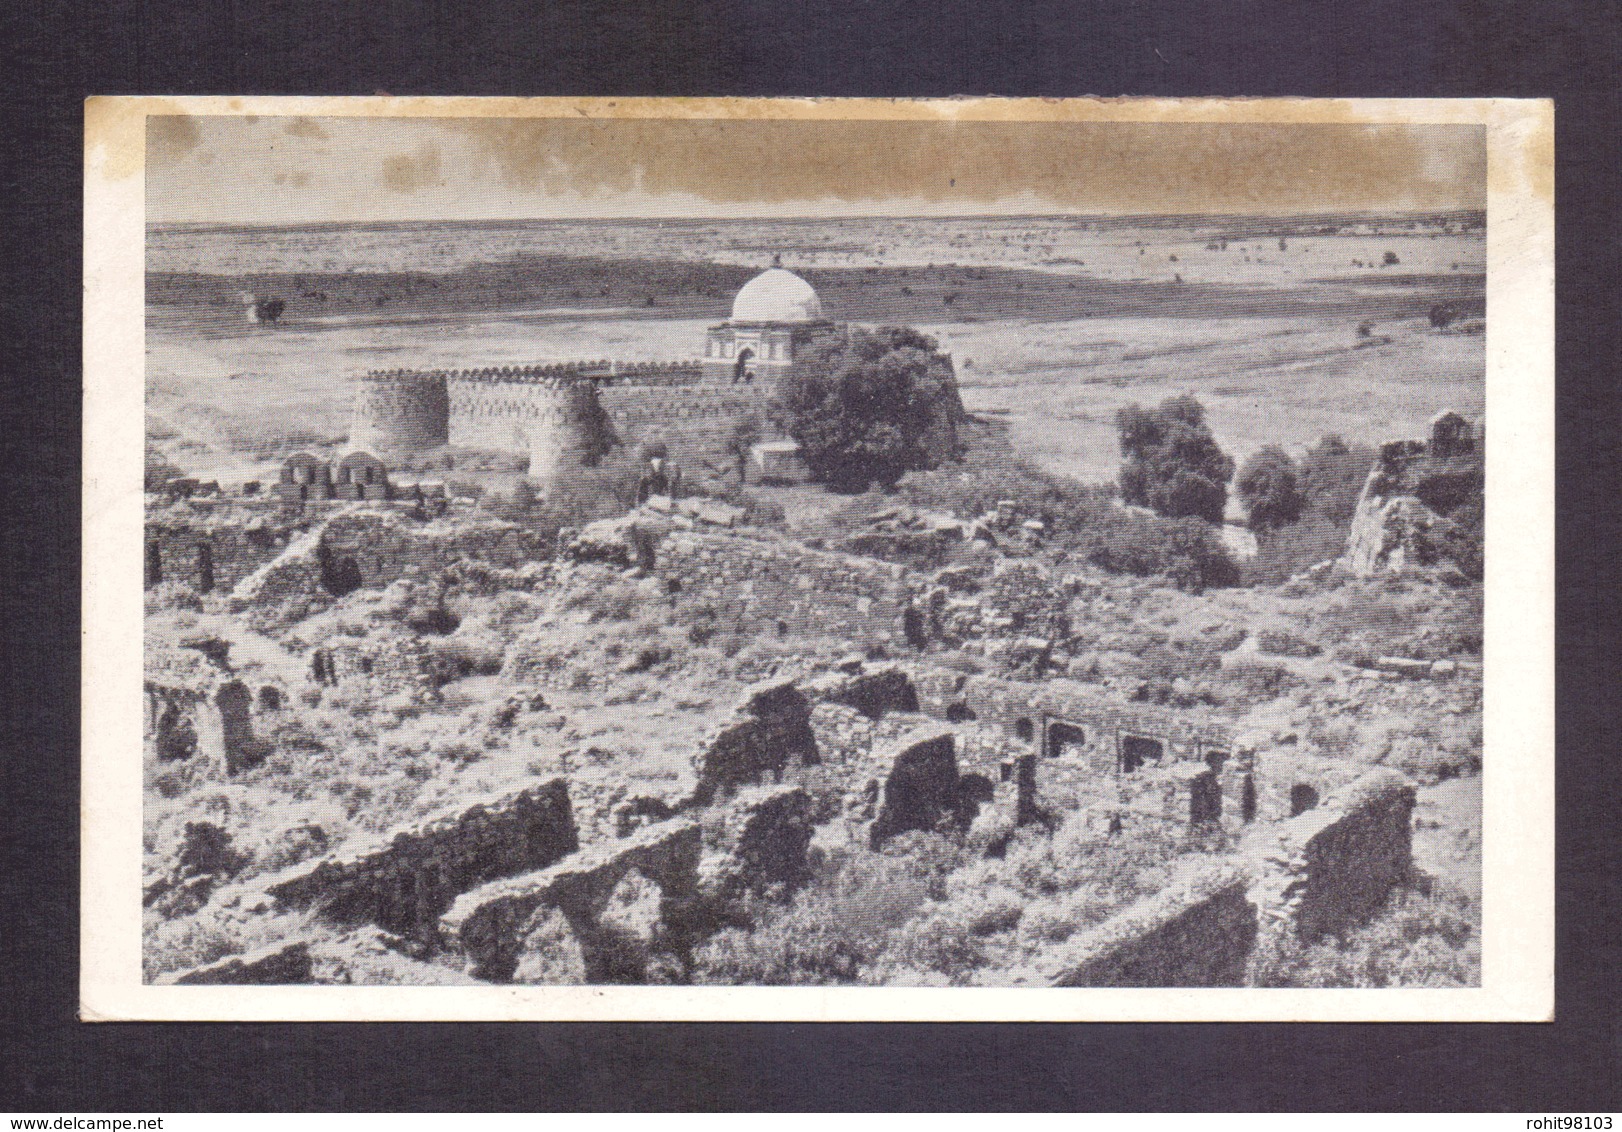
(56, 53)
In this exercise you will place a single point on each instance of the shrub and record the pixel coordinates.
(1282, 642)
(1257, 680)
(1172, 462)
(450, 660)
(1270, 488)
(1186, 551)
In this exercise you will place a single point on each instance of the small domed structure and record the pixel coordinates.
(773, 316)
(777, 295)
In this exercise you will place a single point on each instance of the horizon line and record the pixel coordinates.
(811, 218)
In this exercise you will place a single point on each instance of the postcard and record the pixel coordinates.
(818, 559)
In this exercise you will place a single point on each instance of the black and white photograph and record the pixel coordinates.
(795, 559)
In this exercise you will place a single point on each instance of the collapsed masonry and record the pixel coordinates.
(1328, 871)
(1405, 514)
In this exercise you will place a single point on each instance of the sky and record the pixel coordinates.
(300, 170)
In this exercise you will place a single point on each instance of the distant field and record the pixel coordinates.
(1058, 324)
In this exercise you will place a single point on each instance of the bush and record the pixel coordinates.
(1186, 551)
(1418, 940)
(1270, 489)
(1172, 462)
(1331, 477)
(1282, 642)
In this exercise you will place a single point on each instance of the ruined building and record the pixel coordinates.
(568, 414)
(1406, 513)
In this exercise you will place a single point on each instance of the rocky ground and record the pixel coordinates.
(466, 684)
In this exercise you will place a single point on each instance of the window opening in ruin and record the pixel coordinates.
(1302, 799)
(1204, 801)
(1247, 799)
(960, 713)
(205, 568)
(1065, 739)
(270, 699)
(154, 562)
(338, 577)
(1137, 750)
(1024, 730)
(740, 367)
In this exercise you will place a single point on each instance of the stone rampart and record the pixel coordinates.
(405, 884)
(692, 421)
(405, 412)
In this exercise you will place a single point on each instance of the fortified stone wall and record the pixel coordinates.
(693, 421)
(770, 586)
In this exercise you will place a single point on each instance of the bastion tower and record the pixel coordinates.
(775, 316)
(399, 411)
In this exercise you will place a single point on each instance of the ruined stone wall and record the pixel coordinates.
(405, 412)
(1197, 933)
(370, 548)
(692, 421)
(488, 925)
(1332, 867)
(405, 884)
(195, 708)
(770, 733)
(764, 583)
(210, 545)
(1028, 712)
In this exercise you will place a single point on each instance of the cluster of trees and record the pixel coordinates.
(861, 408)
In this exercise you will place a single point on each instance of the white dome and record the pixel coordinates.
(776, 295)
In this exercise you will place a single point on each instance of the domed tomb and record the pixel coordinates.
(777, 295)
(774, 316)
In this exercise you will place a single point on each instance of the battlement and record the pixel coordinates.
(602, 371)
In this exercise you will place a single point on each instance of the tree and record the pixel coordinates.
(1270, 489)
(742, 438)
(1172, 462)
(861, 409)
(1332, 476)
